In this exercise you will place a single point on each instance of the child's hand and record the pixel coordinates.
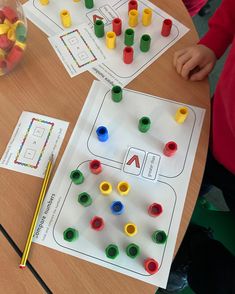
(195, 62)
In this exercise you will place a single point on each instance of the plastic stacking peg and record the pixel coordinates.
(117, 26)
(159, 237)
(151, 266)
(166, 27)
(128, 54)
(117, 208)
(123, 188)
(89, 4)
(84, 199)
(95, 166)
(77, 177)
(65, 18)
(129, 37)
(132, 250)
(70, 235)
(133, 4)
(44, 2)
(181, 114)
(110, 40)
(155, 209)
(97, 223)
(117, 93)
(145, 42)
(147, 17)
(99, 28)
(144, 124)
(133, 18)
(102, 134)
(170, 149)
(130, 229)
(112, 251)
(105, 188)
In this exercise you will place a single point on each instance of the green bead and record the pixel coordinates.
(129, 37)
(77, 177)
(70, 234)
(132, 250)
(21, 33)
(145, 43)
(112, 251)
(144, 124)
(159, 237)
(99, 28)
(84, 199)
(89, 4)
(117, 93)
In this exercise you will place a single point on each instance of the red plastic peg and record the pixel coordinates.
(132, 5)
(155, 209)
(97, 223)
(166, 27)
(151, 266)
(14, 55)
(117, 26)
(95, 166)
(5, 43)
(128, 54)
(10, 14)
(170, 148)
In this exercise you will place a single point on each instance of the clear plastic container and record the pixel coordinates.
(13, 33)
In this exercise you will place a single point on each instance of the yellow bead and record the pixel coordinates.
(181, 114)
(4, 28)
(147, 17)
(65, 18)
(7, 22)
(11, 35)
(105, 188)
(44, 2)
(21, 45)
(133, 18)
(111, 40)
(123, 188)
(130, 229)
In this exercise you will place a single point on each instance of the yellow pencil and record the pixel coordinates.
(36, 213)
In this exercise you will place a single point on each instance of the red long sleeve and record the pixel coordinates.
(221, 34)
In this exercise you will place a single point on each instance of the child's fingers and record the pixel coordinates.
(202, 73)
(181, 61)
(178, 54)
(188, 67)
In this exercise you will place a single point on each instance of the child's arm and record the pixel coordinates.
(203, 56)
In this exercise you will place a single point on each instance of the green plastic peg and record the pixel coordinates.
(129, 37)
(99, 28)
(116, 93)
(144, 124)
(132, 250)
(77, 177)
(21, 33)
(145, 43)
(70, 235)
(159, 237)
(112, 251)
(84, 199)
(89, 4)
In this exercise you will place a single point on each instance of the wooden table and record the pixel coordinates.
(41, 84)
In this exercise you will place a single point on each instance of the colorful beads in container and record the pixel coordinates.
(13, 32)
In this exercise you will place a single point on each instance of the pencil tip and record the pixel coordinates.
(51, 157)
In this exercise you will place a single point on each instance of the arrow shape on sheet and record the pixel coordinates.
(135, 159)
(95, 17)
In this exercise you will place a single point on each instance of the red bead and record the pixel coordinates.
(170, 148)
(128, 54)
(117, 26)
(151, 266)
(155, 209)
(5, 43)
(14, 55)
(132, 5)
(10, 14)
(97, 223)
(166, 27)
(95, 166)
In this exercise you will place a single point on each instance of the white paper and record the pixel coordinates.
(34, 139)
(78, 49)
(61, 209)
